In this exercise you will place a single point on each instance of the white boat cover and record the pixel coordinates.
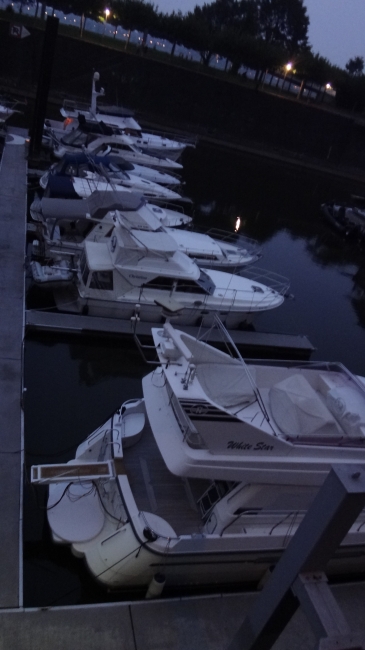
(348, 406)
(161, 242)
(97, 205)
(299, 412)
(230, 387)
(98, 256)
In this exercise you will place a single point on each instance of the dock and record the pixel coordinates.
(13, 200)
(251, 344)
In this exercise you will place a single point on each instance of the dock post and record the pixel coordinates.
(293, 581)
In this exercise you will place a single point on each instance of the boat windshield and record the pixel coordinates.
(117, 172)
(206, 283)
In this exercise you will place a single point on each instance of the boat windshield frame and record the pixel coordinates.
(206, 283)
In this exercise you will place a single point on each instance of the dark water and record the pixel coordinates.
(74, 383)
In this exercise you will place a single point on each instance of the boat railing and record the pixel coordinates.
(75, 106)
(235, 239)
(224, 299)
(189, 433)
(169, 205)
(278, 283)
(187, 140)
(270, 522)
(276, 522)
(236, 257)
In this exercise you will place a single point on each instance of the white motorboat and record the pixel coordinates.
(71, 220)
(93, 182)
(104, 142)
(215, 249)
(347, 218)
(143, 274)
(78, 164)
(96, 178)
(206, 479)
(7, 108)
(113, 116)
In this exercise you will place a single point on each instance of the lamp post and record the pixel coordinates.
(288, 67)
(107, 14)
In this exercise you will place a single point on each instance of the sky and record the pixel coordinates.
(336, 30)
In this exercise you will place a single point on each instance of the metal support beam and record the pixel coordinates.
(319, 605)
(332, 513)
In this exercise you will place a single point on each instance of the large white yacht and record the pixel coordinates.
(69, 213)
(206, 479)
(78, 164)
(143, 274)
(94, 182)
(105, 141)
(67, 231)
(113, 116)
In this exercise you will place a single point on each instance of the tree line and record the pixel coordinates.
(263, 35)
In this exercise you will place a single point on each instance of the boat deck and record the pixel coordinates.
(156, 490)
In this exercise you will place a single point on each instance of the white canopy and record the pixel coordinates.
(298, 411)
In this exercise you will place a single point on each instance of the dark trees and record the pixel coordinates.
(355, 66)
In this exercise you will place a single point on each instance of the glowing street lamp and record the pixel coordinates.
(107, 14)
(288, 67)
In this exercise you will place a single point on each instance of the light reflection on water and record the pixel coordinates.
(73, 384)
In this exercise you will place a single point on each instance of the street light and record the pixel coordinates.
(107, 14)
(288, 67)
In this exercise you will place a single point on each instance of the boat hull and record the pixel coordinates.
(73, 302)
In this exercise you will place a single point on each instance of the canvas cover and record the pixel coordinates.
(347, 404)
(298, 411)
(226, 384)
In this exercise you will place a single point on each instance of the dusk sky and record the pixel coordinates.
(336, 31)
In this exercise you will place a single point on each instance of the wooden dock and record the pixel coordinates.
(251, 344)
(13, 194)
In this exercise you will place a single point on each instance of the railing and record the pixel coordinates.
(190, 434)
(234, 239)
(226, 299)
(278, 283)
(283, 523)
(71, 105)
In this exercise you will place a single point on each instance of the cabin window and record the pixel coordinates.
(203, 285)
(206, 283)
(102, 280)
(188, 286)
(102, 149)
(160, 282)
(122, 147)
(117, 173)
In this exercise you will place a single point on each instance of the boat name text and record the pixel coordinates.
(259, 446)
